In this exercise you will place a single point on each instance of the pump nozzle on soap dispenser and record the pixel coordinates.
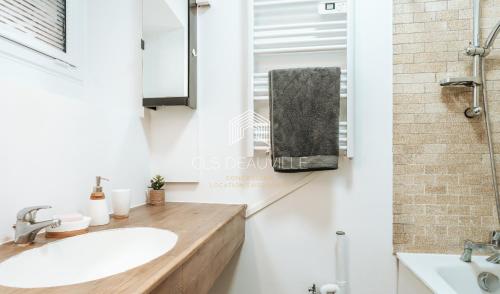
(98, 208)
(97, 193)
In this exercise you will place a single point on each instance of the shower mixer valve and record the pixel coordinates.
(474, 50)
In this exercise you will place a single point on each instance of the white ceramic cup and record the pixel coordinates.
(120, 200)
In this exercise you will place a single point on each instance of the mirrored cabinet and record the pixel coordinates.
(169, 53)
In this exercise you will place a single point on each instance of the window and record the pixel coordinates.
(42, 28)
(34, 20)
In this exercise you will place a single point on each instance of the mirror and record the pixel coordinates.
(169, 52)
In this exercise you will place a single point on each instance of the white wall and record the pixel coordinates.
(57, 134)
(291, 244)
(174, 141)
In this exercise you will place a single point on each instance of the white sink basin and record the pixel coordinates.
(85, 258)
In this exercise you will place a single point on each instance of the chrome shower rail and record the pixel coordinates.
(478, 83)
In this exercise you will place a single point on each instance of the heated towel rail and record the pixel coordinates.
(299, 33)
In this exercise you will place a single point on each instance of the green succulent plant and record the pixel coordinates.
(157, 182)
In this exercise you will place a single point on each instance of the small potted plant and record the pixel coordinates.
(157, 193)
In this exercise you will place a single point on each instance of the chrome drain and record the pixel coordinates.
(488, 282)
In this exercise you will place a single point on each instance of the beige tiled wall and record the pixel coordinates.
(442, 184)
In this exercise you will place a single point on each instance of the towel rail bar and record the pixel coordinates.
(266, 148)
(314, 40)
(266, 97)
(265, 75)
(300, 25)
(293, 33)
(261, 92)
(263, 89)
(282, 2)
(264, 83)
(301, 49)
(264, 42)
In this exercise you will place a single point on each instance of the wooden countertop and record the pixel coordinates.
(194, 223)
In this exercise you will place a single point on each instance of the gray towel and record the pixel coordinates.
(305, 105)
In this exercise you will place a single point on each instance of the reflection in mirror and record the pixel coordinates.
(165, 55)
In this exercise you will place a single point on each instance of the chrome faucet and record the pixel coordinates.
(27, 228)
(492, 248)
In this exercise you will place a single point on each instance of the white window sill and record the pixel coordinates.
(31, 58)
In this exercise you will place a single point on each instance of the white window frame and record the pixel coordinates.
(37, 53)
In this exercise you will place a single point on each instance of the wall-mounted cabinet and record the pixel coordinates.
(169, 53)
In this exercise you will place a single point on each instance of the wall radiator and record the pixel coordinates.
(293, 34)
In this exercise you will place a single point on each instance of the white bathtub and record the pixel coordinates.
(441, 274)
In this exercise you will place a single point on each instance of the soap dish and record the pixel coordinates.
(69, 228)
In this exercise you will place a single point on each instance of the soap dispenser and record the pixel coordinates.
(98, 208)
